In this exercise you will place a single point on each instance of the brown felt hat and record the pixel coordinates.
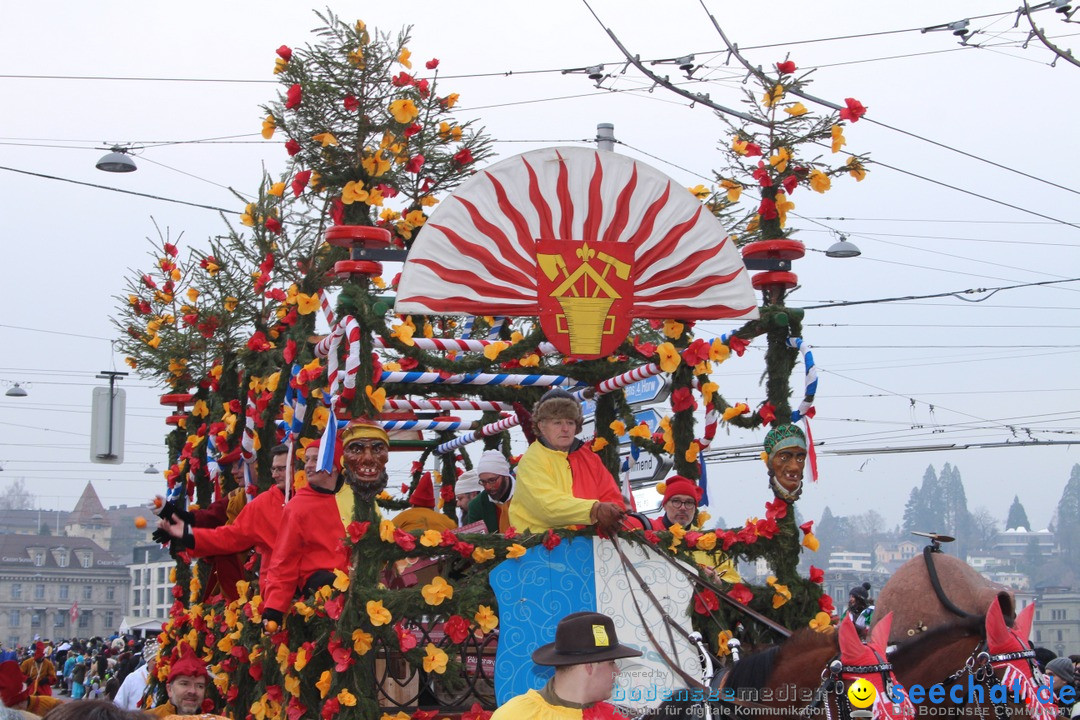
(583, 637)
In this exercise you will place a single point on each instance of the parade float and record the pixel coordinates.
(566, 267)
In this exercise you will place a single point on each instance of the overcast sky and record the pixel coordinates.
(928, 372)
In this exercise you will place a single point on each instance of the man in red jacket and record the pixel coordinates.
(256, 526)
(310, 542)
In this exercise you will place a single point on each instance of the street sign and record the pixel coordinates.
(107, 425)
(648, 468)
(652, 389)
(649, 417)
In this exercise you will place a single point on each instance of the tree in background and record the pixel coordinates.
(1067, 519)
(17, 497)
(1017, 516)
(984, 530)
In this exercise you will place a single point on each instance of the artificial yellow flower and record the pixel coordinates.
(277, 189)
(435, 659)
(673, 329)
(719, 351)
(707, 541)
(341, 580)
(192, 294)
(416, 218)
(354, 192)
(618, 427)
(811, 542)
(838, 139)
(231, 303)
(431, 538)
(678, 532)
(386, 531)
(450, 100)
(492, 350)
(375, 164)
(346, 698)
(356, 57)
(131, 362)
(324, 682)
(279, 65)
(821, 623)
(247, 218)
(783, 207)
(515, 551)
(734, 190)
(376, 396)
(530, 360)
(404, 333)
(404, 110)
(361, 642)
(700, 192)
(773, 96)
(307, 304)
(377, 615)
(796, 110)
(599, 444)
(669, 357)
(485, 617)
(707, 391)
(325, 139)
(856, 169)
(640, 431)
(781, 596)
(429, 201)
(819, 181)
(449, 132)
(482, 555)
(692, 452)
(269, 125)
(301, 659)
(780, 159)
(403, 58)
(722, 642)
(437, 591)
(739, 146)
(292, 685)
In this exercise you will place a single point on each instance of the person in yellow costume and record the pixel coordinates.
(422, 514)
(583, 655)
(560, 480)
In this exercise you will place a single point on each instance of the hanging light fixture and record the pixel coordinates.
(117, 161)
(843, 248)
(150, 470)
(16, 391)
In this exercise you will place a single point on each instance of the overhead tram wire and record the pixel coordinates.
(734, 51)
(956, 293)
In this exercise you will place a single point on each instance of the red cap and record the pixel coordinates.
(424, 494)
(678, 485)
(39, 650)
(188, 665)
(13, 687)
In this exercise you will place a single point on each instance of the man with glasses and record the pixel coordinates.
(493, 504)
(257, 526)
(680, 507)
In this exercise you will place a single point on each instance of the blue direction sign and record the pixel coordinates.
(652, 389)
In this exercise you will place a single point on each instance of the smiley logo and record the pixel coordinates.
(861, 693)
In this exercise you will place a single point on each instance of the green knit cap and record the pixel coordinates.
(784, 436)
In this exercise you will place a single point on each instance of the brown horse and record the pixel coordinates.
(935, 589)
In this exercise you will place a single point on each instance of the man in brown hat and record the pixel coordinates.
(583, 655)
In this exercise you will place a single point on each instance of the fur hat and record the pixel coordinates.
(468, 482)
(557, 404)
(494, 462)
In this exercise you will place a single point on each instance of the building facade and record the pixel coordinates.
(1057, 621)
(151, 586)
(59, 587)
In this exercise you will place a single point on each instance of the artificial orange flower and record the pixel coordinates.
(669, 357)
(377, 615)
(438, 590)
(435, 659)
(819, 181)
(404, 110)
(486, 618)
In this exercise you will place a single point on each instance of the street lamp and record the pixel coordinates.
(117, 161)
(16, 390)
(843, 248)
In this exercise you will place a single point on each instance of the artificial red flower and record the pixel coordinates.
(293, 96)
(767, 209)
(276, 294)
(695, 353)
(785, 68)
(170, 249)
(767, 413)
(652, 537)
(853, 111)
(334, 607)
(790, 182)
(406, 640)
(683, 399)
(274, 691)
(255, 671)
(402, 79)
(776, 510)
(464, 157)
(464, 549)
(706, 602)
(357, 530)
(294, 711)
(816, 574)
(337, 211)
(408, 363)
(331, 708)
(825, 604)
(390, 192)
(351, 103)
(767, 528)
(741, 594)
(285, 53)
(405, 541)
(752, 149)
(737, 344)
(289, 353)
(511, 532)
(412, 130)
(273, 225)
(446, 492)
(807, 527)
(432, 63)
(449, 539)
(257, 343)
(647, 349)
(149, 282)
(292, 146)
(424, 715)
(456, 628)
(423, 88)
(300, 182)
(476, 713)
(551, 540)
(415, 163)
(761, 174)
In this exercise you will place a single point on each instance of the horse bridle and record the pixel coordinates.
(832, 680)
(983, 667)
